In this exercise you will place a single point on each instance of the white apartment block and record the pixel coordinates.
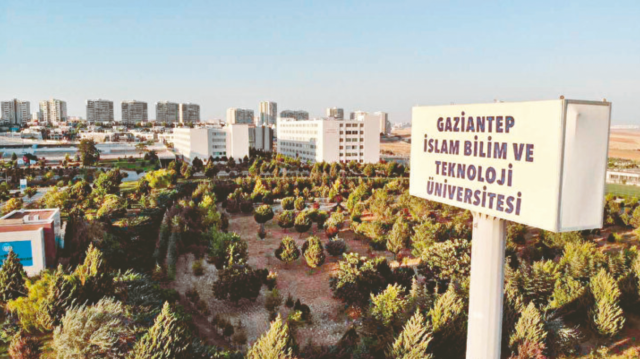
(358, 115)
(99, 111)
(230, 140)
(330, 140)
(167, 112)
(385, 125)
(134, 112)
(239, 116)
(189, 113)
(15, 112)
(335, 112)
(298, 115)
(53, 111)
(268, 113)
(261, 138)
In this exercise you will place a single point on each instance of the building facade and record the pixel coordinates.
(34, 235)
(213, 141)
(189, 113)
(336, 112)
(330, 140)
(239, 116)
(261, 138)
(53, 111)
(385, 125)
(15, 112)
(167, 112)
(268, 113)
(298, 115)
(99, 111)
(134, 112)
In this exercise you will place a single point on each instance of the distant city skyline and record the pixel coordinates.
(370, 56)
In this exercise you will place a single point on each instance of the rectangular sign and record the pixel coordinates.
(21, 248)
(538, 163)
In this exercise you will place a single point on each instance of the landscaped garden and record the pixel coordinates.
(339, 263)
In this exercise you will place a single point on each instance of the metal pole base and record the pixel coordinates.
(487, 285)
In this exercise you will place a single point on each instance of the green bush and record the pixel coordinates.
(288, 250)
(285, 219)
(336, 246)
(313, 252)
(287, 203)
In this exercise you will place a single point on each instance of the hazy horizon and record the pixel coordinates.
(362, 55)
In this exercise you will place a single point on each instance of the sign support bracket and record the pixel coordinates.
(486, 295)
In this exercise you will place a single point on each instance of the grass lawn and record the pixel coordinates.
(126, 165)
(623, 190)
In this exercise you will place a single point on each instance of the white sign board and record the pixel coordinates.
(23, 184)
(537, 163)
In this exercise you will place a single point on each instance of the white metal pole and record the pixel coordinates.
(487, 285)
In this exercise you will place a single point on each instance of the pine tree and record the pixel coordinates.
(94, 276)
(398, 236)
(608, 318)
(412, 343)
(314, 254)
(529, 329)
(12, 278)
(448, 322)
(388, 306)
(62, 293)
(274, 344)
(166, 339)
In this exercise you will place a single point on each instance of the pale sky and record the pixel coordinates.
(358, 55)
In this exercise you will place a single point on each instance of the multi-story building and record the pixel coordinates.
(330, 140)
(261, 138)
(298, 115)
(335, 112)
(15, 112)
(385, 125)
(239, 115)
(134, 112)
(34, 236)
(189, 113)
(167, 112)
(357, 114)
(212, 141)
(268, 113)
(53, 111)
(99, 111)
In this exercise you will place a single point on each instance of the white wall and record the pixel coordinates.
(36, 237)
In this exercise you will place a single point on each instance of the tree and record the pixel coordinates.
(287, 251)
(103, 330)
(237, 281)
(89, 154)
(108, 183)
(607, 315)
(226, 248)
(399, 235)
(24, 346)
(368, 170)
(303, 222)
(285, 219)
(530, 328)
(287, 203)
(12, 278)
(262, 215)
(313, 253)
(14, 157)
(299, 204)
(166, 339)
(414, 340)
(12, 205)
(197, 164)
(276, 343)
(94, 275)
(211, 170)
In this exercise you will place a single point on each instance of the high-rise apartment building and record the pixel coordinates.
(167, 112)
(189, 113)
(261, 138)
(298, 115)
(268, 113)
(385, 125)
(335, 112)
(239, 115)
(99, 111)
(357, 114)
(15, 112)
(134, 112)
(330, 140)
(53, 111)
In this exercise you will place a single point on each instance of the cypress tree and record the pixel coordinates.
(276, 343)
(608, 318)
(12, 278)
(288, 251)
(166, 339)
(412, 343)
(529, 329)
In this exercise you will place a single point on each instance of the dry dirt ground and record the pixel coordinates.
(311, 286)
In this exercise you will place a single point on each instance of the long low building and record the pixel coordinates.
(214, 141)
(331, 140)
